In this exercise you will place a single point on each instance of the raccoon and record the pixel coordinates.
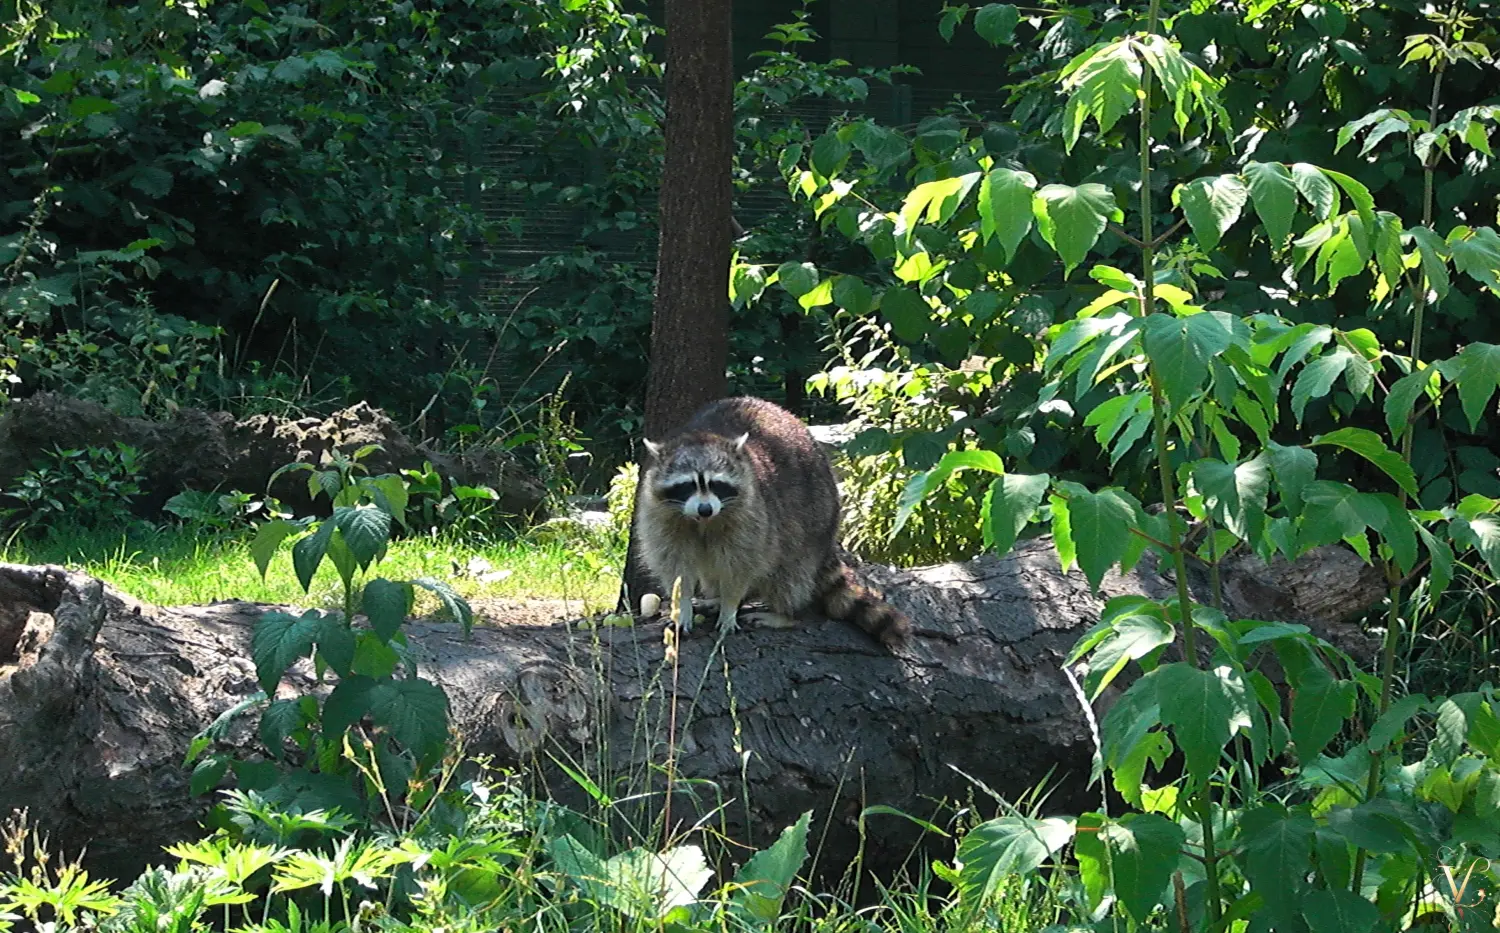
(742, 504)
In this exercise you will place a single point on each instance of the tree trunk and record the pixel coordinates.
(100, 696)
(690, 321)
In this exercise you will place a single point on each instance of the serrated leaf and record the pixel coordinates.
(415, 711)
(1433, 253)
(798, 278)
(279, 640)
(373, 657)
(386, 605)
(1317, 188)
(999, 848)
(762, 883)
(1274, 195)
(1211, 206)
(308, 553)
(1138, 854)
(829, 154)
(347, 704)
(1203, 709)
(1475, 372)
(366, 530)
(1005, 207)
(1293, 468)
(908, 313)
(1235, 494)
(1476, 253)
(1402, 398)
(1131, 638)
(853, 295)
(1440, 570)
(1369, 445)
(1278, 849)
(1180, 349)
(1100, 527)
(1316, 378)
(1072, 219)
(1336, 910)
(1102, 83)
(278, 722)
(207, 774)
(268, 538)
(1320, 706)
(456, 607)
(1012, 501)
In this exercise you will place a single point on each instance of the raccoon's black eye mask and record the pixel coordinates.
(682, 491)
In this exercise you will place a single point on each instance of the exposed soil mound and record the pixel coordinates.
(212, 451)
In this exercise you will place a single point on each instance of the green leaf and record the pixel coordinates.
(1011, 501)
(908, 313)
(1334, 511)
(1317, 189)
(829, 154)
(1005, 199)
(762, 883)
(366, 530)
(1212, 205)
(1180, 349)
(373, 657)
(883, 148)
(279, 640)
(1476, 253)
(1010, 845)
(1235, 494)
(1138, 853)
(1440, 571)
(88, 105)
(25, 97)
(1402, 398)
(798, 278)
(1100, 524)
(151, 180)
(415, 711)
(1274, 194)
(996, 23)
(1320, 706)
(1204, 709)
(1434, 254)
(386, 605)
(347, 704)
(1131, 638)
(268, 538)
(278, 722)
(1400, 533)
(853, 295)
(1475, 371)
(1278, 851)
(1316, 378)
(1072, 219)
(207, 774)
(1369, 445)
(1293, 468)
(308, 553)
(454, 605)
(1102, 83)
(933, 202)
(1336, 910)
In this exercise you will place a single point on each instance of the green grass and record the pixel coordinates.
(178, 566)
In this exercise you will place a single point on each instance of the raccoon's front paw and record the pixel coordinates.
(769, 619)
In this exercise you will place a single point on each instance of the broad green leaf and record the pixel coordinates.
(996, 23)
(1102, 83)
(1317, 188)
(1190, 88)
(829, 154)
(1434, 255)
(1180, 349)
(1130, 718)
(1320, 706)
(908, 313)
(1392, 723)
(1278, 852)
(1400, 532)
(1203, 709)
(853, 295)
(1476, 253)
(1137, 855)
(1211, 205)
(762, 883)
(386, 605)
(415, 711)
(268, 538)
(1317, 378)
(308, 553)
(366, 529)
(1005, 207)
(1475, 371)
(1072, 219)
(1336, 910)
(207, 774)
(1062, 533)
(1235, 494)
(1010, 845)
(373, 657)
(1131, 638)
(933, 202)
(1274, 195)
(882, 147)
(1364, 202)
(1292, 468)
(1013, 500)
(279, 640)
(454, 605)
(798, 278)
(278, 722)
(1369, 445)
(390, 494)
(1403, 396)
(1335, 511)
(1100, 524)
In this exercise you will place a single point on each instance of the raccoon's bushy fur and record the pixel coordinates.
(742, 504)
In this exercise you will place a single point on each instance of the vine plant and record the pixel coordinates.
(1390, 812)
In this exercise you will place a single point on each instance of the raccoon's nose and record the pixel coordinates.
(705, 510)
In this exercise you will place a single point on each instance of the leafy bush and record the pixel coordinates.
(92, 487)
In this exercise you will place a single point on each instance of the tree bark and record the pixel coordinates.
(100, 695)
(690, 320)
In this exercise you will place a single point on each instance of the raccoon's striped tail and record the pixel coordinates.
(846, 599)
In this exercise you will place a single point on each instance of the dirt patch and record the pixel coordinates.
(496, 610)
(211, 451)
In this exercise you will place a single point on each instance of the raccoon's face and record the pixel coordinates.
(699, 478)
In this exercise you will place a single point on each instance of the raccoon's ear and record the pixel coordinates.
(652, 447)
(739, 442)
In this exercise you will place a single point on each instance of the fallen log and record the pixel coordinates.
(100, 695)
